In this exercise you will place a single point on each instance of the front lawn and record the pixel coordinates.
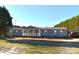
(20, 48)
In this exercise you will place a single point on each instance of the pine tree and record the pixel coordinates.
(5, 21)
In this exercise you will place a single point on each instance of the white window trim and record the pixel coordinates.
(61, 31)
(55, 31)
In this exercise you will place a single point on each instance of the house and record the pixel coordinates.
(16, 31)
(32, 31)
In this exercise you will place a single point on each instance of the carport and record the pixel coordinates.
(74, 33)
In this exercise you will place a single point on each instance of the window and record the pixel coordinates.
(78, 33)
(20, 30)
(17, 30)
(61, 30)
(35, 31)
(45, 31)
(30, 31)
(10, 30)
(26, 31)
(55, 31)
(14, 30)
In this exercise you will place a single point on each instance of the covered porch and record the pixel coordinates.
(32, 32)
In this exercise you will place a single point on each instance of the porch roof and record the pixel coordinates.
(33, 27)
(76, 30)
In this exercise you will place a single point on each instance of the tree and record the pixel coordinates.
(5, 21)
(70, 24)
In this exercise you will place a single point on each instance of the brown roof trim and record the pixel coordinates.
(33, 27)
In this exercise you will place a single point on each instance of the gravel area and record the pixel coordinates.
(8, 51)
(47, 39)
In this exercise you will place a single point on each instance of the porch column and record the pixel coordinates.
(27, 31)
(23, 32)
(39, 32)
(33, 33)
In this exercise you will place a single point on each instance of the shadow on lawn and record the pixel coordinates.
(47, 43)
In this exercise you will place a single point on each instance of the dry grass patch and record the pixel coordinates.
(36, 49)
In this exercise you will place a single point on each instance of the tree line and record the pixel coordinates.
(70, 24)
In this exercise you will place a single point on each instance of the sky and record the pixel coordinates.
(41, 15)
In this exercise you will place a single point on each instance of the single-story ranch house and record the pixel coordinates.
(32, 31)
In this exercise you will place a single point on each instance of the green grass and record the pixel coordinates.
(35, 49)
(25, 48)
